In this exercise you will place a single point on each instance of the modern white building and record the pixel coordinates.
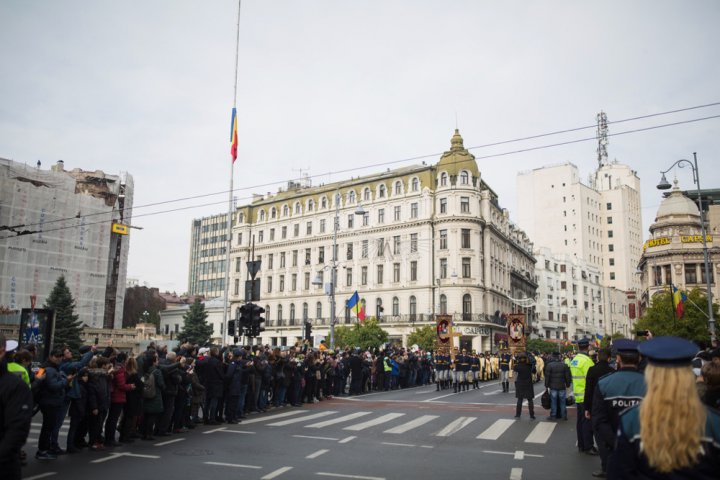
(59, 222)
(413, 241)
(208, 252)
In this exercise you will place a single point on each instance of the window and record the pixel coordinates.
(308, 228)
(292, 312)
(465, 238)
(414, 210)
(612, 262)
(296, 229)
(608, 206)
(415, 184)
(366, 219)
(286, 211)
(396, 272)
(318, 310)
(323, 202)
(702, 275)
(366, 195)
(396, 245)
(237, 265)
(297, 208)
(398, 188)
(443, 304)
(269, 284)
(466, 267)
(396, 213)
(381, 191)
(413, 308)
(413, 242)
(609, 220)
(272, 234)
(443, 205)
(611, 247)
(363, 275)
(294, 258)
(321, 254)
(305, 311)
(443, 268)
(293, 282)
(322, 225)
(467, 307)
(260, 236)
(610, 234)
(413, 271)
(691, 273)
(311, 205)
(380, 274)
(351, 196)
(282, 259)
(307, 256)
(381, 215)
(443, 240)
(465, 204)
(464, 178)
(396, 306)
(443, 179)
(237, 287)
(262, 215)
(364, 249)
(349, 251)
(281, 285)
(348, 277)
(612, 275)
(283, 232)
(381, 247)
(270, 261)
(351, 220)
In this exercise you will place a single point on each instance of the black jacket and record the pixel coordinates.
(523, 381)
(594, 374)
(557, 375)
(15, 414)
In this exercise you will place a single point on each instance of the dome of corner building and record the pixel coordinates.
(677, 204)
(458, 158)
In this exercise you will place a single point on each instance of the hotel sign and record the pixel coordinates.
(476, 331)
(660, 241)
(695, 238)
(656, 242)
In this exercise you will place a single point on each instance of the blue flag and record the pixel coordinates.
(353, 300)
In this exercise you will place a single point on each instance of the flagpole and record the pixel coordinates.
(226, 310)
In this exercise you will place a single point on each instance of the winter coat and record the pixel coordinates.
(155, 405)
(172, 376)
(198, 389)
(102, 383)
(52, 387)
(210, 371)
(234, 377)
(557, 375)
(594, 374)
(15, 414)
(523, 381)
(79, 403)
(68, 365)
(134, 400)
(120, 385)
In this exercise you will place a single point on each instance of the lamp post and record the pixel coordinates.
(665, 185)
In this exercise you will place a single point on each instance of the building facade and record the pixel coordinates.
(673, 255)
(414, 242)
(58, 222)
(208, 252)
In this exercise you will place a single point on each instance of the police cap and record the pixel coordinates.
(668, 351)
(624, 345)
(583, 342)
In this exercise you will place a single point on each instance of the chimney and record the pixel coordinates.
(59, 166)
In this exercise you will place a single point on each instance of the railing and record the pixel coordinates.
(389, 320)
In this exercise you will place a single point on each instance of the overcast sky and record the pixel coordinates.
(146, 87)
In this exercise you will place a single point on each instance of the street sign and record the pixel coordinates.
(119, 228)
(253, 267)
(252, 290)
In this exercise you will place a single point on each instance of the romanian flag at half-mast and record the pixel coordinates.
(679, 299)
(233, 135)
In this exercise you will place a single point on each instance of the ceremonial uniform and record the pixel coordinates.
(442, 368)
(462, 367)
(505, 371)
(475, 369)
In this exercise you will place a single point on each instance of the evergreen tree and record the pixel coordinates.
(195, 329)
(67, 325)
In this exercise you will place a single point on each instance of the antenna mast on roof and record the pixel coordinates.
(602, 137)
(304, 178)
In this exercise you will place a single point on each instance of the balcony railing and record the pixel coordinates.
(459, 318)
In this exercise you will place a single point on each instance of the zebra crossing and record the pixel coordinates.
(395, 423)
(34, 435)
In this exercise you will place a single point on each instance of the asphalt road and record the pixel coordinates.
(415, 433)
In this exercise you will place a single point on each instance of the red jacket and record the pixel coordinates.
(119, 387)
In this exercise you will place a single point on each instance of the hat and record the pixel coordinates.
(624, 345)
(668, 351)
(10, 345)
(237, 352)
(583, 342)
(203, 350)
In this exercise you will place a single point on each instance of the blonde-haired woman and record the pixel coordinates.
(671, 434)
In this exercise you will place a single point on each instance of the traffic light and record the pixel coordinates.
(256, 319)
(231, 328)
(308, 330)
(244, 320)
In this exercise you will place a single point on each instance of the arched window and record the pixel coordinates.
(292, 312)
(378, 308)
(305, 311)
(464, 177)
(318, 310)
(297, 208)
(443, 179)
(413, 308)
(415, 184)
(286, 211)
(323, 202)
(241, 218)
(280, 312)
(467, 306)
(381, 191)
(311, 205)
(351, 196)
(273, 212)
(267, 313)
(262, 215)
(398, 188)
(366, 195)
(443, 304)
(396, 306)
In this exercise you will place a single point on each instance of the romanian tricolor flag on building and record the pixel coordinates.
(233, 135)
(357, 306)
(679, 299)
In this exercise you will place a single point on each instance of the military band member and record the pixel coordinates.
(505, 358)
(475, 369)
(494, 366)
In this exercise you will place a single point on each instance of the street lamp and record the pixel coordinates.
(665, 185)
(333, 266)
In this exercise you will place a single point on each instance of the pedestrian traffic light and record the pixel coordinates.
(308, 330)
(231, 328)
(257, 321)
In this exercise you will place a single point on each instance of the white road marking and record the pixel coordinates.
(338, 420)
(398, 444)
(348, 439)
(340, 475)
(234, 465)
(214, 430)
(276, 473)
(169, 442)
(302, 419)
(318, 453)
(272, 417)
(412, 424)
(42, 475)
(238, 431)
(113, 456)
(315, 438)
(519, 455)
(374, 422)
(496, 429)
(513, 453)
(426, 446)
(541, 433)
(455, 426)
(516, 474)
(494, 392)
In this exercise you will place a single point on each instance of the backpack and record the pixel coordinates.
(149, 389)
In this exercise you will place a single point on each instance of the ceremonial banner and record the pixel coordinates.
(516, 332)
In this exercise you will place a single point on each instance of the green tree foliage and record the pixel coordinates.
(195, 328)
(67, 325)
(367, 334)
(542, 346)
(424, 337)
(693, 325)
(139, 300)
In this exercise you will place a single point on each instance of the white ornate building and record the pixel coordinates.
(429, 239)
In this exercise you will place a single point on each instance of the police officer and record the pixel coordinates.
(615, 392)
(579, 367)
(504, 363)
(671, 434)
